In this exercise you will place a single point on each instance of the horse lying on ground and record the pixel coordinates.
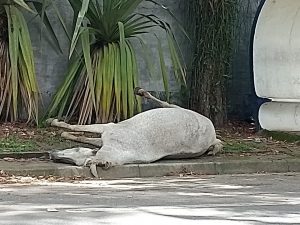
(168, 132)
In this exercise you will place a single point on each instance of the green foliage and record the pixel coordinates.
(14, 144)
(17, 74)
(19, 92)
(283, 136)
(236, 147)
(42, 139)
(99, 85)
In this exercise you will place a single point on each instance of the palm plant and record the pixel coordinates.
(18, 85)
(99, 85)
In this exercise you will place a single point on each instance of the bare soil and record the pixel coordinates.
(240, 139)
(19, 137)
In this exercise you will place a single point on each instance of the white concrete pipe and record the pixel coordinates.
(276, 64)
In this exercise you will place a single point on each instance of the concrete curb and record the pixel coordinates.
(25, 155)
(159, 169)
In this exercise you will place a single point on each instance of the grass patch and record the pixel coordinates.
(33, 140)
(282, 136)
(238, 146)
(14, 144)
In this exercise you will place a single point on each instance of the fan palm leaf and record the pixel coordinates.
(99, 86)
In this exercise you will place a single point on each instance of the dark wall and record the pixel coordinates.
(241, 96)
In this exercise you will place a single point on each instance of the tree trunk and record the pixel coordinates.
(212, 28)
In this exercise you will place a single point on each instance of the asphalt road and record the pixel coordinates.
(222, 200)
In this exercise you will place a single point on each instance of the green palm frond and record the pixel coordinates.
(19, 93)
(99, 86)
(20, 3)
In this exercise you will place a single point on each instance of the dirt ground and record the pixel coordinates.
(19, 137)
(239, 139)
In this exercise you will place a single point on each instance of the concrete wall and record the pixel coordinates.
(51, 66)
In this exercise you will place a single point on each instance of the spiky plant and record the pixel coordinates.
(99, 85)
(19, 92)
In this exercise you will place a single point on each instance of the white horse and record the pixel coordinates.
(168, 132)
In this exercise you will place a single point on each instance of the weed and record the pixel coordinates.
(239, 146)
(283, 136)
(15, 144)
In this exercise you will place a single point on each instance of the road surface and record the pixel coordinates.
(207, 200)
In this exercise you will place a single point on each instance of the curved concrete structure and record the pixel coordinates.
(281, 116)
(276, 64)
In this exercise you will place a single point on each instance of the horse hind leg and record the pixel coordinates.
(93, 141)
(93, 128)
